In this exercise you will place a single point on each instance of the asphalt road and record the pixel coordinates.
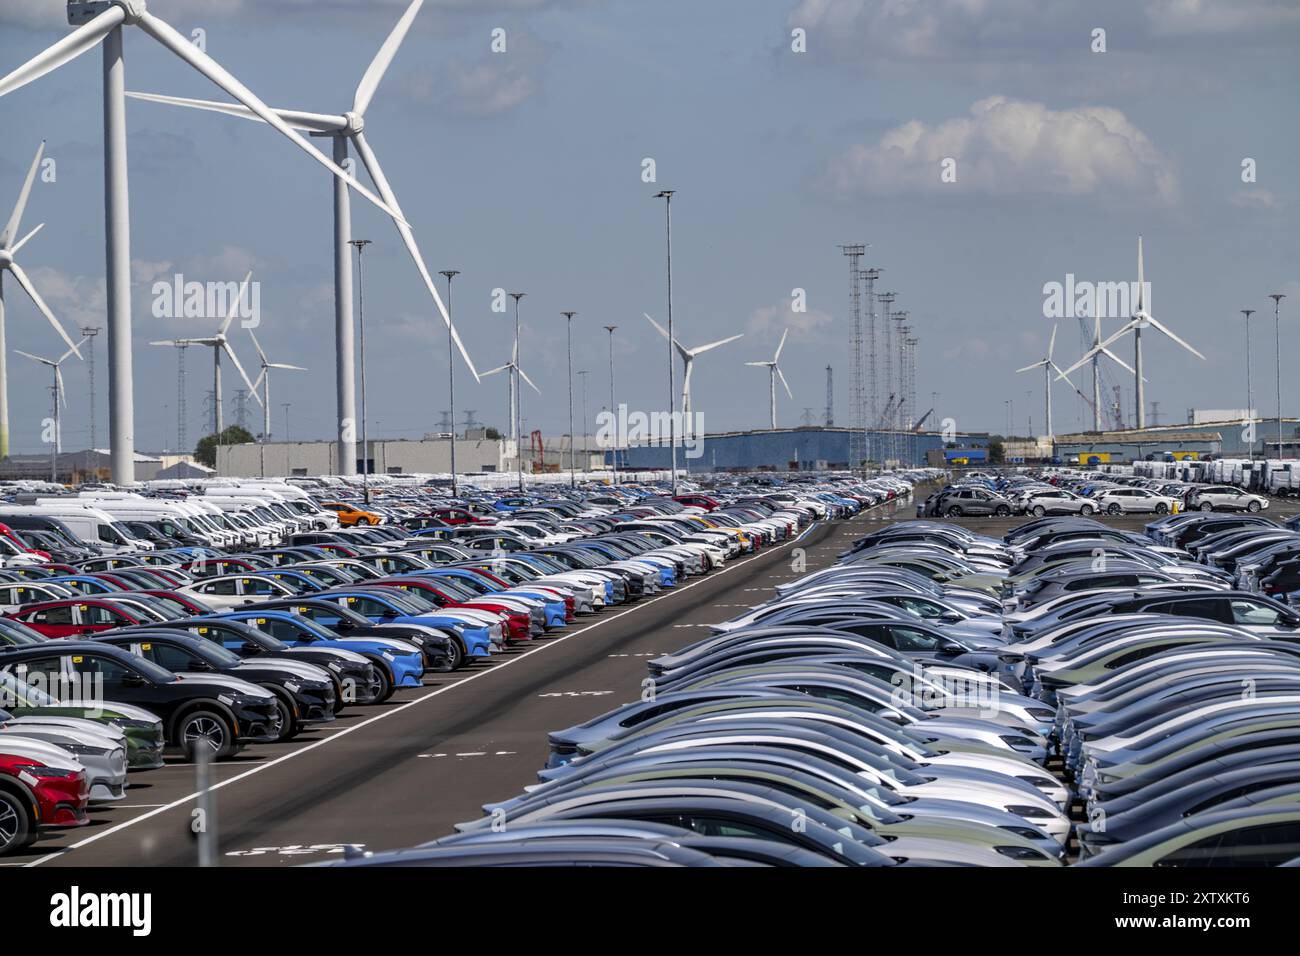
(405, 772)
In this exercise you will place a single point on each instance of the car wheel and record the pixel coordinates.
(1206, 506)
(1002, 511)
(456, 659)
(1113, 508)
(385, 688)
(363, 521)
(288, 727)
(1087, 510)
(17, 828)
(206, 728)
(954, 511)
(1039, 511)
(1162, 508)
(1253, 506)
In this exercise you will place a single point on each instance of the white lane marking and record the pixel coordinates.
(95, 837)
(638, 654)
(477, 753)
(577, 693)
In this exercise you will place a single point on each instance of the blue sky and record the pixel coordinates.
(523, 170)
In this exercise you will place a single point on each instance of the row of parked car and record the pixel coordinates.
(1067, 493)
(112, 661)
(904, 706)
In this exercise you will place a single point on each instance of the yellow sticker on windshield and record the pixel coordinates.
(146, 647)
(78, 660)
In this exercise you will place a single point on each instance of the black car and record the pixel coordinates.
(220, 711)
(345, 668)
(304, 692)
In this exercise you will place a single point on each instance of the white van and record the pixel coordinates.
(87, 522)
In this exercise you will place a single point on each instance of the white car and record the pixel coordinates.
(1226, 498)
(1117, 501)
(1057, 501)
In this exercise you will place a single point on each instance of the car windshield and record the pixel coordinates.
(16, 692)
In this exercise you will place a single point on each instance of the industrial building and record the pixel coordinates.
(1201, 438)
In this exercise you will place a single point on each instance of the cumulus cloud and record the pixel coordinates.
(1011, 147)
(1178, 17)
(491, 84)
(766, 323)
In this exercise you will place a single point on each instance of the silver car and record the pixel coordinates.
(1226, 498)
(1117, 501)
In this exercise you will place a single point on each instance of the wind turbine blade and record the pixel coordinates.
(700, 350)
(306, 122)
(290, 368)
(34, 358)
(493, 371)
(258, 345)
(24, 240)
(528, 380)
(77, 42)
(1119, 361)
(781, 376)
(662, 330)
(1030, 368)
(35, 296)
(371, 163)
(234, 306)
(1087, 357)
(58, 386)
(1141, 280)
(1064, 376)
(16, 218)
(163, 32)
(379, 65)
(187, 342)
(225, 347)
(257, 382)
(1051, 344)
(64, 357)
(777, 357)
(1167, 332)
(763, 364)
(1115, 337)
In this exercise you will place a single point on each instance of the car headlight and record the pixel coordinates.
(1028, 812)
(45, 772)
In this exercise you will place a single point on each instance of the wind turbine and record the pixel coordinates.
(1140, 320)
(220, 343)
(774, 372)
(1048, 366)
(60, 395)
(10, 245)
(1095, 354)
(264, 380)
(344, 129)
(688, 360)
(513, 366)
(103, 21)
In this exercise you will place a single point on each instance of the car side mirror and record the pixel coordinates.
(134, 680)
(950, 617)
(950, 649)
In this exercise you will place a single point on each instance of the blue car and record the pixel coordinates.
(386, 606)
(403, 663)
(553, 607)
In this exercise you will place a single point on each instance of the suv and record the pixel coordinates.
(1056, 501)
(962, 502)
(1116, 501)
(1225, 498)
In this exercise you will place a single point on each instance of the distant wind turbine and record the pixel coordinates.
(513, 366)
(60, 394)
(220, 343)
(10, 245)
(1048, 366)
(688, 359)
(774, 372)
(264, 380)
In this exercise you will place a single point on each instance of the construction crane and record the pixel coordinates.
(922, 420)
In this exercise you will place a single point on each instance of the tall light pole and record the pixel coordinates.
(667, 196)
(1277, 298)
(286, 420)
(360, 245)
(1250, 415)
(514, 378)
(573, 475)
(450, 274)
(586, 464)
(613, 411)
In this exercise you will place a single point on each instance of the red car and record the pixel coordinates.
(75, 617)
(455, 516)
(16, 539)
(698, 501)
(518, 626)
(38, 792)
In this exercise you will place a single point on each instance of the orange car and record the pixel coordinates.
(349, 516)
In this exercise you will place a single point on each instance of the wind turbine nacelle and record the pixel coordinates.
(81, 12)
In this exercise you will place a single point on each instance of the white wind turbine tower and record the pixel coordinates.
(10, 245)
(60, 395)
(264, 380)
(344, 129)
(103, 21)
(513, 366)
(688, 360)
(774, 372)
(1140, 320)
(1096, 352)
(220, 343)
(1049, 366)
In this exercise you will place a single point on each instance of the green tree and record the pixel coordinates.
(997, 454)
(205, 452)
(492, 434)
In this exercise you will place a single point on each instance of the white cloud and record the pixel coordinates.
(1010, 148)
(765, 324)
(490, 85)
(1175, 17)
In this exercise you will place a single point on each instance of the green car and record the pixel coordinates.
(1267, 835)
(144, 731)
